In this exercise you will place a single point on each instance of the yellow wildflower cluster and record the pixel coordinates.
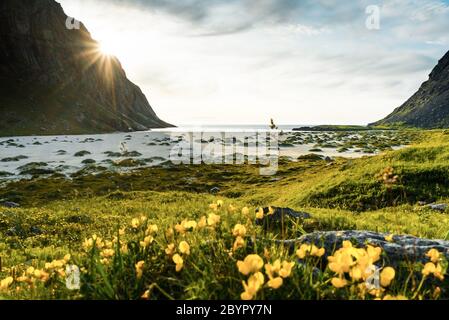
(186, 225)
(309, 250)
(239, 232)
(183, 248)
(213, 220)
(137, 222)
(139, 269)
(278, 271)
(435, 266)
(32, 274)
(5, 283)
(387, 177)
(359, 264)
(94, 241)
(217, 205)
(251, 265)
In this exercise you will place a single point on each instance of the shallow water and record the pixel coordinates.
(153, 147)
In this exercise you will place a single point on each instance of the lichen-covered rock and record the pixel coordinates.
(401, 248)
(442, 207)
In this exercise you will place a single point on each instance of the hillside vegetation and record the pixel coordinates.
(158, 233)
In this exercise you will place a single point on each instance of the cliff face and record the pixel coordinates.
(429, 107)
(55, 81)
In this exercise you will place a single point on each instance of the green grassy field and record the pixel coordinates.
(106, 223)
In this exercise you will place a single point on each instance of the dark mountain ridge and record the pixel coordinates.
(429, 107)
(55, 80)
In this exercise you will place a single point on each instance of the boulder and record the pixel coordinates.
(401, 248)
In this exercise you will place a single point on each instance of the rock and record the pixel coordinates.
(328, 159)
(215, 190)
(279, 214)
(14, 159)
(421, 203)
(442, 207)
(10, 204)
(88, 161)
(402, 248)
(82, 153)
(35, 230)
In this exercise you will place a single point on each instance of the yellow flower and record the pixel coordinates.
(339, 282)
(213, 206)
(190, 225)
(5, 283)
(272, 269)
(202, 222)
(439, 272)
(266, 253)
(139, 269)
(286, 269)
(239, 230)
(107, 253)
(213, 219)
(177, 259)
(429, 268)
(259, 213)
(184, 247)
(275, 283)
(152, 229)
(255, 282)
(389, 238)
(347, 244)
(170, 249)
(386, 276)
(146, 295)
(434, 255)
(220, 203)
(146, 241)
(232, 209)
(67, 258)
(356, 273)
(399, 297)
(169, 232)
(373, 253)
(270, 211)
(239, 243)
(135, 223)
(245, 211)
(30, 271)
(180, 228)
(252, 263)
(312, 250)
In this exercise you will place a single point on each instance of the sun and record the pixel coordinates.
(107, 48)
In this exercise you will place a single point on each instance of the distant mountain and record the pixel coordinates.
(55, 81)
(429, 107)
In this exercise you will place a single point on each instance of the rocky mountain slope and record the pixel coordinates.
(429, 107)
(54, 80)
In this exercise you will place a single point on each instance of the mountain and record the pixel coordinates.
(54, 80)
(429, 107)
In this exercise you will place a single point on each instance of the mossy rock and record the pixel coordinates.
(82, 153)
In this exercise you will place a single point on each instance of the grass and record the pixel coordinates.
(58, 214)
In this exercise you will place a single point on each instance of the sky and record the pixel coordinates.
(246, 61)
